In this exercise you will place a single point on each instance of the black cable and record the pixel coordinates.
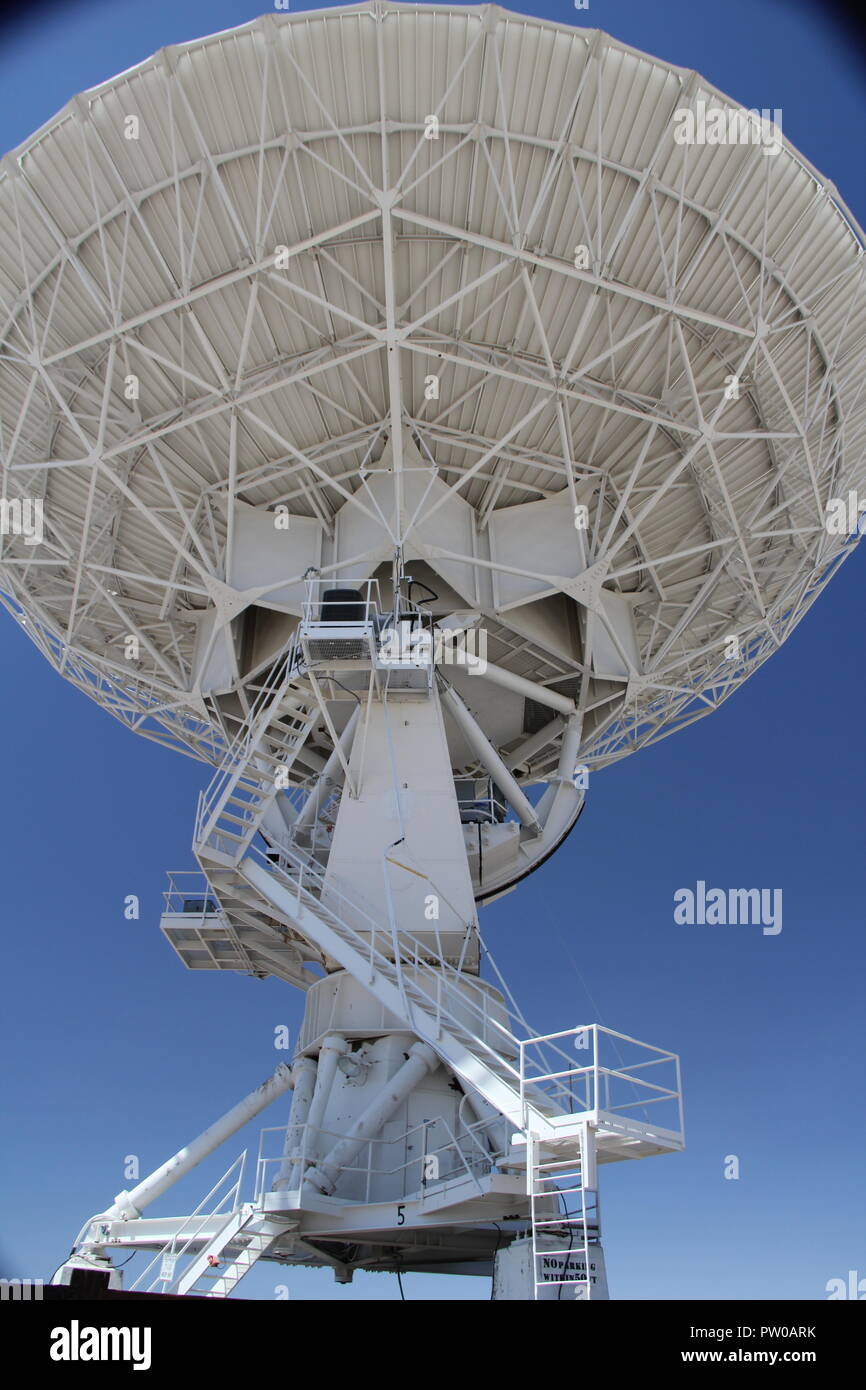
(114, 1266)
(495, 1253)
(571, 1216)
(63, 1261)
(346, 688)
(567, 1254)
(411, 585)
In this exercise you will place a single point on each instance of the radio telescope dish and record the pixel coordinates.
(425, 360)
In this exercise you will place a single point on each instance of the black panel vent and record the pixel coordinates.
(535, 716)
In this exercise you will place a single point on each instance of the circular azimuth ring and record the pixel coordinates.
(429, 280)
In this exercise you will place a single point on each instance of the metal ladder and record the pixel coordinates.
(561, 1250)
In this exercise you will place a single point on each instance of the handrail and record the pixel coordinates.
(212, 800)
(591, 1077)
(205, 1217)
(176, 894)
(311, 869)
(422, 974)
(426, 979)
(371, 599)
(311, 1135)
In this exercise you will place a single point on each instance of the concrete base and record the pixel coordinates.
(513, 1278)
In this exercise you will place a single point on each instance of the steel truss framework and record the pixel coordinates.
(246, 294)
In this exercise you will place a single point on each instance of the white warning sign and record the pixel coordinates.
(571, 1274)
(560, 1273)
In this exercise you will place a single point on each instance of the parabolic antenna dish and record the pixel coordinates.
(335, 347)
(445, 280)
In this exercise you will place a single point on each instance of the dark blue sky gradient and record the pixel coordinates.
(111, 1048)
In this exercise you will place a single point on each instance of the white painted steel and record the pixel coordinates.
(558, 386)
(497, 360)
(132, 1203)
(490, 759)
(332, 1049)
(304, 1073)
(323, 1176)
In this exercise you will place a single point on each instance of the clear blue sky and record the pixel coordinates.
(111, 1048)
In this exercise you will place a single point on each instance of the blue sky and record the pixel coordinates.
(111, 1048)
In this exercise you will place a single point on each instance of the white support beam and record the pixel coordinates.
(490, 759)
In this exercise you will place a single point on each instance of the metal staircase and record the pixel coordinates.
(259, 1234)
(256, 767)
(216, 1245)
(275, 889)
(399, 972)
(397, 968)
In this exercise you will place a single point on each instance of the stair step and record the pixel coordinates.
(277, 753)
(252, 797)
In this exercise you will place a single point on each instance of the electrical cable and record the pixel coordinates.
(412, 583)
(114, 1266)
(63, 1262)
(495, 1253)
(354, 693)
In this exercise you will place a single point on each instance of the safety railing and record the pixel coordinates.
(431, 983)
(477, 801)
(190, 894)
(327, 602)
(543, 1068)
(195, 1229)
(330, 603)
(609, 1083)
(242, 750)
(432, 1165)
